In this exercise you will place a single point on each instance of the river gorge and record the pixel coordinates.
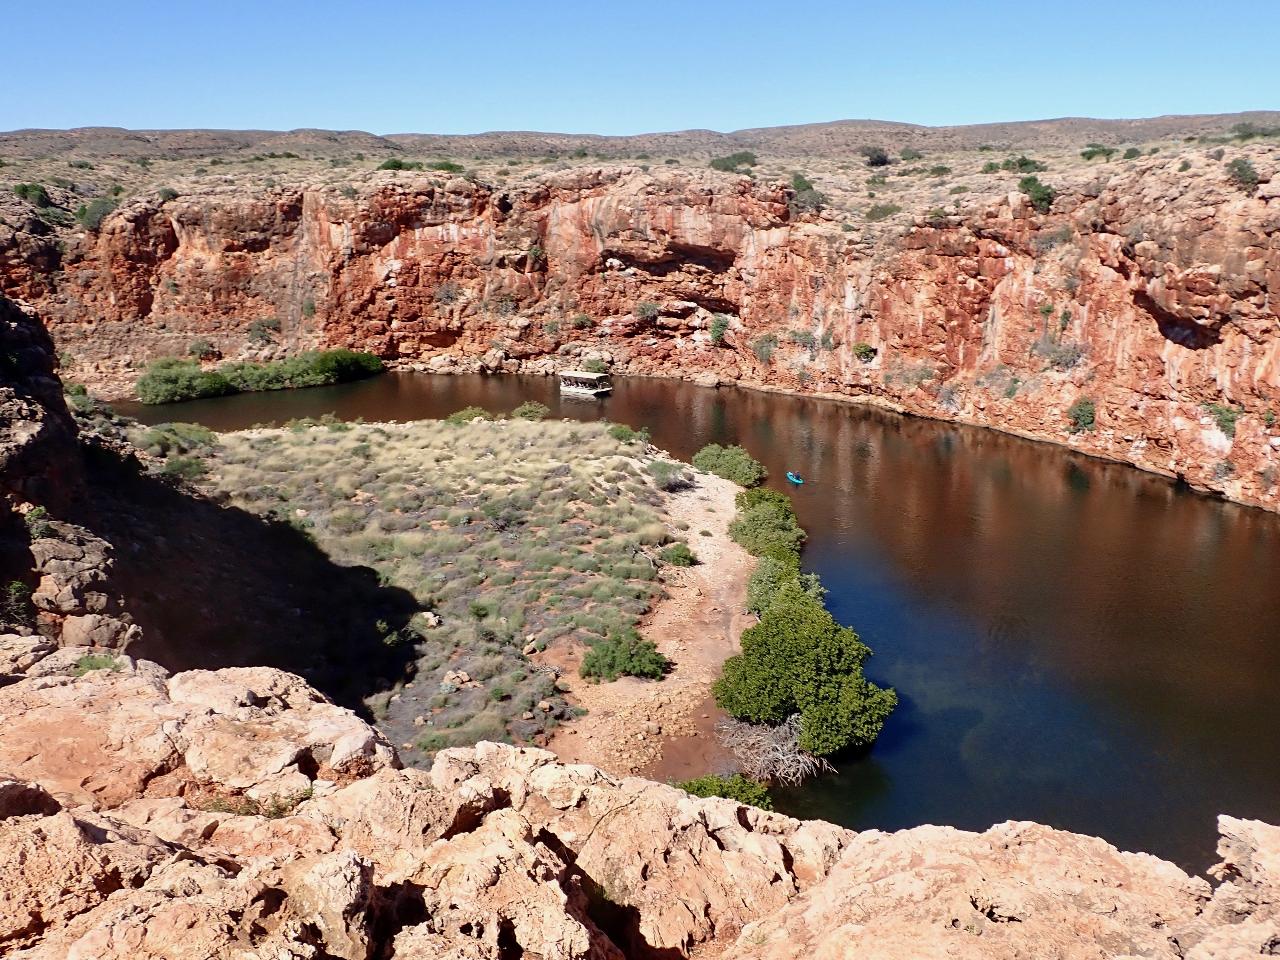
(1055, 625)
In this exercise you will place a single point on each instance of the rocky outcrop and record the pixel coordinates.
(1147, 290)
(237, 813)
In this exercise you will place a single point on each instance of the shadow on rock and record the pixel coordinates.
(216, 586)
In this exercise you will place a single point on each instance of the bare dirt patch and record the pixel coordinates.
(664, 728)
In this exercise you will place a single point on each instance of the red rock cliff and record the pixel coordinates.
(1151, 295)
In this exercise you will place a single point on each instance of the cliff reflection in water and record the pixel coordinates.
(1075, 642)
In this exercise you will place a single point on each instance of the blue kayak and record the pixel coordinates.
(795, 478)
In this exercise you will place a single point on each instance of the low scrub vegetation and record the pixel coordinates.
(1040, 195)
(173, 379)
(1225, 416)
(736, 787)
(1243, 174)
(734, 162)
(510, 535)
(732, 463)
(882, 211)
(1082, 416)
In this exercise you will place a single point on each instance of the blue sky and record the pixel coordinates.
(610, 67)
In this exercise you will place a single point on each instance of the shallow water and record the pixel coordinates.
(1074, 642)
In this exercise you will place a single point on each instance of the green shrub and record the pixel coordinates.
(96, 661)
(678, 555)
(1082, 415)
(1184, 166)
(732, 462)
(736, 787)
(875, 156)
(1040, 195)
(1132, 153)
(467, 414)
(201, 349)
(647, 310)
(939, 170)
(169, 438)
(15, 604)
(37, 521)
(187, 468)
(719, 325)
(1242, 173)
(734, 161)
(882, 211)
(771, 574)
(805, 196)
(94, 212)
(910, 153)
(764, 346)
(531, 410)
(669, 476)
(581, 321)
(625, 434)
(595, 365)
(171, 379)
(264, 330)
(991, 167)
(1023, 165)
(166, 194)
(864, 352)
(623, 653)
(765, 525)
(1093, 150)
(445, 166)
(34, 193)
(395, 163)
(799, 660)
(1225, 416)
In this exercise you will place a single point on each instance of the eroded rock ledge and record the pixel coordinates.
(237, 813)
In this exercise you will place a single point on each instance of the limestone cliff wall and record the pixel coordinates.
(1150, 292)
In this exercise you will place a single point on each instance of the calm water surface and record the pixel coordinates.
(1073, 642)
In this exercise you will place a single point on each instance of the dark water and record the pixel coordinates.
(1074, 642)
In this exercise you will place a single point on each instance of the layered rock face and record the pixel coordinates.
(236, 813)
(1148, 291)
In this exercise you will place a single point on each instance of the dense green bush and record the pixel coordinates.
(799, 660)
(625, 434)
(1243, 174)
(647, 310)
(467, 414)
(1082, 415)
(864, 352)
(719, 325)
(595, 365)
(771, 575)
(34, 193)
(531, 410)
(805, 196)
(166, 194)
(623, 653)
(15, 605)
(732, 463)
(765, 525)
(1132, 153)
(876, 156)
(736, 787)
(678, 555)
(95, 211)
(172, 379)
(1094, 150)
(734, 161)
(1040, 195)
(395, 163)
(910, 153)
(445, 166)
(1023, 164)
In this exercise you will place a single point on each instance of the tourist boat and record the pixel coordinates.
(581, 383)
(795, 478)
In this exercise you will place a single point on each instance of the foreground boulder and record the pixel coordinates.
(239, 814)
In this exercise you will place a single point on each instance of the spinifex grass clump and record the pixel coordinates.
(513, 533)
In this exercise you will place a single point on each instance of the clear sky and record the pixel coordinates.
(613, 67)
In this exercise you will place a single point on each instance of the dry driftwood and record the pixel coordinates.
(771, 754)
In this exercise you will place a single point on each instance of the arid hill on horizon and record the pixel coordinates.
(791, 140)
